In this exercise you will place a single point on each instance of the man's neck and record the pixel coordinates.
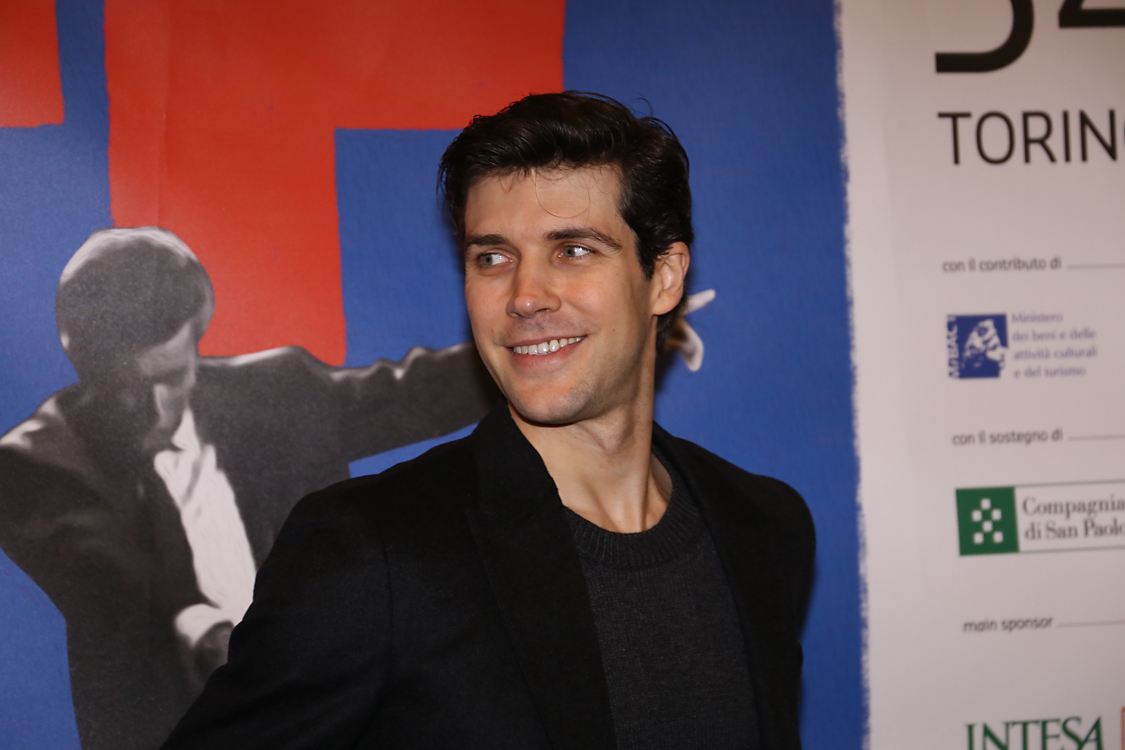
(604, 469)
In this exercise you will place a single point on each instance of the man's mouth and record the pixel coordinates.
(546, 347)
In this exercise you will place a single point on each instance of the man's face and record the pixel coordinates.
(142, 397)
(561, 311)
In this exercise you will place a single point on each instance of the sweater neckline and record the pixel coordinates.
(677, 532)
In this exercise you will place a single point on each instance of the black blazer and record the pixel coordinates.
(442, 604)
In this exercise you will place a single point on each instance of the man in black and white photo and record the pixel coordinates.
(143, 498)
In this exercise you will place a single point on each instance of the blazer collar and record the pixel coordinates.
(528, 551)
(746, 536)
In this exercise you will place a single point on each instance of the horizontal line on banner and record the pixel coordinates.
(1094, 266)
(1096, 437)
(1050, 484)
(1056, 549)
(1089, 624)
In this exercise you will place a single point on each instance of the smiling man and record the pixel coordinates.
(570, 575)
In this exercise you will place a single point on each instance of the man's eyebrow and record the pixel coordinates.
(485, 239)
(583, 233)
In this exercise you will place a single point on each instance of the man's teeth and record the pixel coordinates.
(546, 347)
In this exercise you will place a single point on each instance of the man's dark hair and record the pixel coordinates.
(126, 290)
(575, 129)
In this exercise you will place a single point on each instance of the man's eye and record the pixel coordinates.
(490, 259)
(576, 251)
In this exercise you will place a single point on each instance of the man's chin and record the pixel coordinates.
(545, 412)
(156, 440)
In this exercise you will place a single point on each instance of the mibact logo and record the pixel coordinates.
(1071, 733)
(976, 345)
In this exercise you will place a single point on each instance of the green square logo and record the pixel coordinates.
(986, 520)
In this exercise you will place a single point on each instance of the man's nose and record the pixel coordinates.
(166, 402)
(533, 291)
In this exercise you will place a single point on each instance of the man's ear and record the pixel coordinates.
(670, 274)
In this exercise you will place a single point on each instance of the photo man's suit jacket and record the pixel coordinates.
(442, 604)
(98, 532)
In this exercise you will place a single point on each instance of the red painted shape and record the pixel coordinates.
(30, 87)
(222, 121)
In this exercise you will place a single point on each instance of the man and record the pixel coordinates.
(570, 576)
(143, 498)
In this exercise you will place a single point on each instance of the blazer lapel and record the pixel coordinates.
(745, 539)
(528, 552)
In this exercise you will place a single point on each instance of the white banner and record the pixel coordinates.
(986, 158)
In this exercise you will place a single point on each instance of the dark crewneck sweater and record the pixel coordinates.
(671, 646)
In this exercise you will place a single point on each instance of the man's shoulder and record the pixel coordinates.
(285, 360)
(46, 442)
(44, 429)
(271, 387)
(767, 495)
(702, 458)
(438, 484)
